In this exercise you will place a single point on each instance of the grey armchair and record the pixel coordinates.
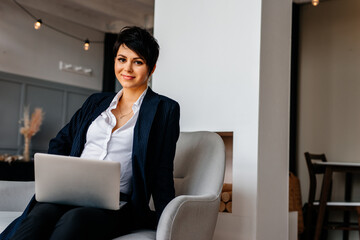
(198, 174)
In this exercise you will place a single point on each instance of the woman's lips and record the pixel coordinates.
(127, 77)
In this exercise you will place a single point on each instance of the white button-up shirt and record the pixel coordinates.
(102, 144)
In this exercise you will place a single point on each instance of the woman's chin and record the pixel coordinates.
(134, 87)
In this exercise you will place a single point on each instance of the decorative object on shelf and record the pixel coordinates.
(30, 128)
(10, 158)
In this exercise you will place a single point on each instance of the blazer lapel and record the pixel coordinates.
(101, 107)
(81, 138)
(143, 126)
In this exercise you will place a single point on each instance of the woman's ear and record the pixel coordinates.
(152, 70)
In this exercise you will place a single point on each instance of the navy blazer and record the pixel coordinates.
(155, 135)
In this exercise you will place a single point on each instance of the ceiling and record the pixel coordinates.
(302, 1)
(102, 15)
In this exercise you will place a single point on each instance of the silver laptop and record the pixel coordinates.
(77, 181)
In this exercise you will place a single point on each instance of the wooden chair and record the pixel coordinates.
(313, 203)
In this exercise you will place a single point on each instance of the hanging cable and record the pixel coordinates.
(39, 23)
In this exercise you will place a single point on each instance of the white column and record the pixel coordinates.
(273, 159)
(210, 63)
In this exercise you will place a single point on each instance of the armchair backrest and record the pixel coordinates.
(199, 164)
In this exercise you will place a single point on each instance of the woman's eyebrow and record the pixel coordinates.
(120, 55)
(139, 58)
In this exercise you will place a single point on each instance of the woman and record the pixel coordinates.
(136, 127)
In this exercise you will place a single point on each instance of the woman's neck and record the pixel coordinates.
(131, 95)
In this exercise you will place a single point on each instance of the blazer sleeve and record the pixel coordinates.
(63, 142)
(163, 188)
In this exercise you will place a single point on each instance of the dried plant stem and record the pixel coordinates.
(27, 148)
(30, 128)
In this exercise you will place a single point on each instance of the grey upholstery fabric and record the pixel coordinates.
(198, 174)
(141, 234)
(15, 195)
(199, 168)
(199, 163)
(6, 217)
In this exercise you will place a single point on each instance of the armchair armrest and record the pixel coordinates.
(189, 217)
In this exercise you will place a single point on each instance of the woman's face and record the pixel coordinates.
(130, 69)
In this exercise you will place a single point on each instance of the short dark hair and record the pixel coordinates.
(140, 41)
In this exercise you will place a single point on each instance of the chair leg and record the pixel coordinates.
(309, 233)
(358, 215)
(348, 193)
(325, 232)
(347, 222)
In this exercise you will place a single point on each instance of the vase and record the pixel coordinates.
(26, 152)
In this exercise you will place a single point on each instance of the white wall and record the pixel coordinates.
(25, 51)
(329, 86)
(273, 159)
(210, 63)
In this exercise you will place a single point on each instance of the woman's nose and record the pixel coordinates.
(128, 66)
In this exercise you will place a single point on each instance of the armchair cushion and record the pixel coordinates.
(6, 217)
(140, 234)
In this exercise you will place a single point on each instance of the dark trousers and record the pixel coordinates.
(55, 222)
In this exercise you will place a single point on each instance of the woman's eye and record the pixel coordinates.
(139, 63)
(121, 60)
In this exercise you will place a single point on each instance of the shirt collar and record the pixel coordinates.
(115, 100)
(136, 105)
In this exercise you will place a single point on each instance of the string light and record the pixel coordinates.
(86, 45)
(315, 2)
(37, 24)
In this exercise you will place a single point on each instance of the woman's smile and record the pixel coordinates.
(127, 77)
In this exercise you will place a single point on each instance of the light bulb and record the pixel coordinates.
(315, 2)
(38, 24)
(86, 45)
